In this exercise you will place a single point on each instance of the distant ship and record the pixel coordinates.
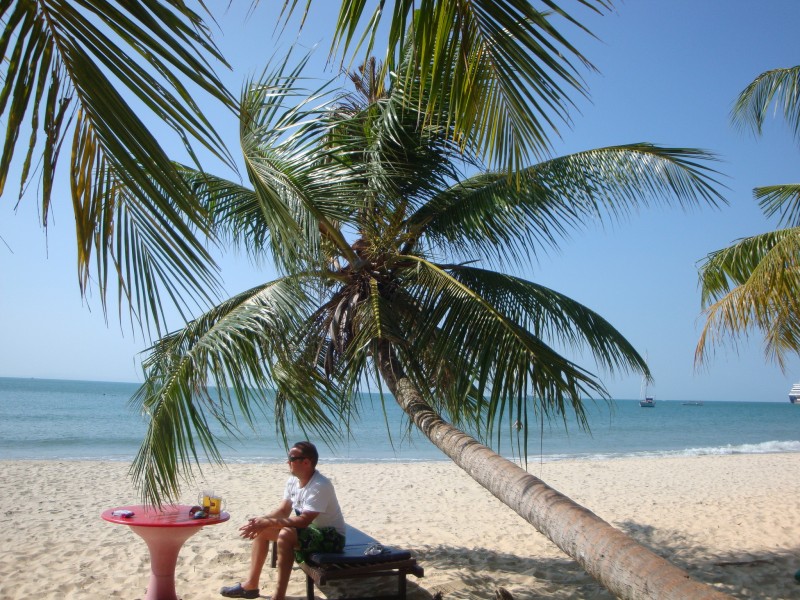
(794, 394)
(648, 402)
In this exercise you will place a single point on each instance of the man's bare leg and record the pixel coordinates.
(258, 555)
(287, 542)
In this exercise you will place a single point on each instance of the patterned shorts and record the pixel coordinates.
(317, 539)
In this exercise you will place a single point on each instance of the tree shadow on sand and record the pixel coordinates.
(459, 573)
(754, 575)
(476, 573)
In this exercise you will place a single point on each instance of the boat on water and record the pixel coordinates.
(794, 394)
(646, 401)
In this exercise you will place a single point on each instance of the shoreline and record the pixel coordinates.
(730, 520)
(773, 447)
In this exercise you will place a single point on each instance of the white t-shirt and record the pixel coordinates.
(317, 496)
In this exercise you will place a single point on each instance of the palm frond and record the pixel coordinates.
(138, 236)
(549, 315)
(66, 61)
(781, 86)
(783, 200)
(753, 285)
(504, 219)
(505, 361)
(222, 364)
(232, 208)
(503, 67)
(300, 183)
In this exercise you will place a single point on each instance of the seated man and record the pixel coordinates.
(316, 525)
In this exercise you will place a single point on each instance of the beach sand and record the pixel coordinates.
(730, 521)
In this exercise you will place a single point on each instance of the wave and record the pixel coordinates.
(762, 448)
(771, 447)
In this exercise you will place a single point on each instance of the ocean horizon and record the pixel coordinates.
(52, 419)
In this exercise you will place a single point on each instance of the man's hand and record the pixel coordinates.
(254, 526)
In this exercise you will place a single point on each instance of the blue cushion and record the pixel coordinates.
(354, 555)
(356, 543)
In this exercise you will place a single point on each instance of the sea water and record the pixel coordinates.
(86, 420)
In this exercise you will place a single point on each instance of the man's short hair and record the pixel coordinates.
(308, 450)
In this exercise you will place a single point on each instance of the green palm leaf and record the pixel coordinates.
(483, 346)
(783, 200)
(139, 237)
(506, 219)
(223, 365)
(510, 360)
(753, 285)
(63, 64)
(233, 208)
(502, 66)
(298, 184)
(550, 315)
(781, 86)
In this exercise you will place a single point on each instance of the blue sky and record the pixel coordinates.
(669, 73)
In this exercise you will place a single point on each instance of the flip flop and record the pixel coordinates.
(237, 591)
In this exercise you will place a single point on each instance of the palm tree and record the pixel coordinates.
(377, 220)
(755, 283)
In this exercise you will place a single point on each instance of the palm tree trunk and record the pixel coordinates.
(623, 566)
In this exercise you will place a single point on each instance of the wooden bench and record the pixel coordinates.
(353, 563)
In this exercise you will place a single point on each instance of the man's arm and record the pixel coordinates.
(281, 517)
(300, 521)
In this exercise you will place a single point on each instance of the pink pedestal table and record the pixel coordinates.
(164, 530)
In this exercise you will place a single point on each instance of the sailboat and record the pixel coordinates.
(646, 401)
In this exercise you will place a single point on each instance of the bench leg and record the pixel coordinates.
(401, 586)
(309, 588)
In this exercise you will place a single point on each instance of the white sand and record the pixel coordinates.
(731, 521)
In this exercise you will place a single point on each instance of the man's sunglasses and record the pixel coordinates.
(294, 458)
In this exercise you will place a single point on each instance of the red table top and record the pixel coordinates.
(172, 515)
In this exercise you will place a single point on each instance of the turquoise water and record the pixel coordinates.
(84, 420)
